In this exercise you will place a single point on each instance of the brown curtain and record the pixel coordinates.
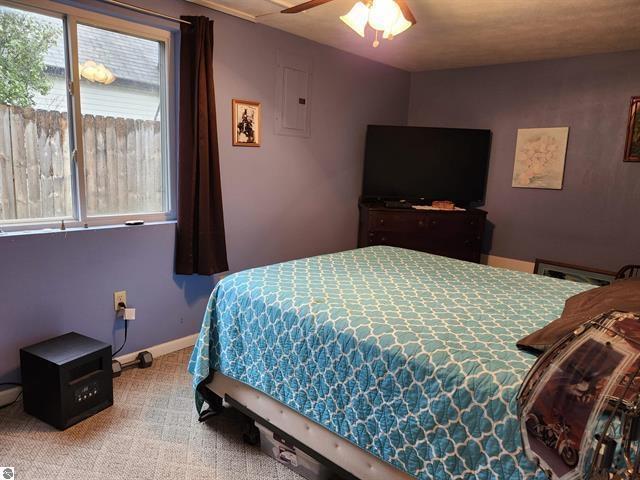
(201, 245)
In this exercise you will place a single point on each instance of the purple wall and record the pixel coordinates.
(593, 220)
(52, 283)
(292, 197)
(295, 197)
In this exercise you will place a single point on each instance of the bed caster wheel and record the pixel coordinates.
(251, 435)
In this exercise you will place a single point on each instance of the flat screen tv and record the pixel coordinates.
(422, 164)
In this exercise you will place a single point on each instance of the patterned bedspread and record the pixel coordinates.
(410, 356)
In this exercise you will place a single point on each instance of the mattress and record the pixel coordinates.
(333, 448)
(407, 355)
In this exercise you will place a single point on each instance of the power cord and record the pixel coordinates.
(11, 384)
(122, 306)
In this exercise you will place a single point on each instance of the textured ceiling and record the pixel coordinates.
(464, 33)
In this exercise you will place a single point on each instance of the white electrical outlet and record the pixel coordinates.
(118, 298)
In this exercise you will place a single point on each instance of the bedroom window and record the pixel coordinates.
(83, 119)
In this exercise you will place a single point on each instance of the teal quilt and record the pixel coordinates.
(409, 356)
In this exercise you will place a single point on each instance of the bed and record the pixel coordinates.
(407, 356)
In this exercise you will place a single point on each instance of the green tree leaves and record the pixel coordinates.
(24, 41)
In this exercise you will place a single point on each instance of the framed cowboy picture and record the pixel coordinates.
(632, 150)
(247, 128)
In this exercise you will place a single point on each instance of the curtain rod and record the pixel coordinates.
(147, 11)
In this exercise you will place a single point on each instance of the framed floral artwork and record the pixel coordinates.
(540, 157)
(246, 128)
(632, 150)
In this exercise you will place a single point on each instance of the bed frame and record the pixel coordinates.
(346, 460)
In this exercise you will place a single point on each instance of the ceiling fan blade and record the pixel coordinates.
(306, 6)
(406, 11)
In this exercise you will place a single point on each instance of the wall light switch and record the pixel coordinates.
(118, 298)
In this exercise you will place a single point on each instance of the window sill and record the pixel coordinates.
(47, 231)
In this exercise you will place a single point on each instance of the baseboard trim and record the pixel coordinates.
(10, 394)
(508, 263)
(163, 348)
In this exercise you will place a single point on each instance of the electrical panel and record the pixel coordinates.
(293, 96)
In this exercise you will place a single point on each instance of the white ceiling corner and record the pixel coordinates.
(463, 33)
(226, 7)
(245, 9)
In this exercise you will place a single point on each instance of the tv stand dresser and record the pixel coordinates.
(455, 234)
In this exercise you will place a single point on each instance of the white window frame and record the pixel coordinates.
(71, 17)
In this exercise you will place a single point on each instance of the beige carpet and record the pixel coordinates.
(151, 432)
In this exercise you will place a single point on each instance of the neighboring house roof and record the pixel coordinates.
(134, 61)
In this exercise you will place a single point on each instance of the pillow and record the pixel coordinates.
(621, 295)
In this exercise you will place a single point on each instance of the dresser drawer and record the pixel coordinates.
(447, 223)
(456, 234)
(427, 242)
(455, 225)
(398, 222)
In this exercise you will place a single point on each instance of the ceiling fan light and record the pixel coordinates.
(96, 72)
(357, 18)
(397, 28)
(110, 77)
(383, 14)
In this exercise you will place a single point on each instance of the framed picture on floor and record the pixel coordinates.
(632, 150)
(247, 128)
(574, 273)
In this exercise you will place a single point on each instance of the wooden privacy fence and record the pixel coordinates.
(123, 164)
(34, 164)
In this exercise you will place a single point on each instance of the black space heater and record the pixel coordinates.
(66, 379)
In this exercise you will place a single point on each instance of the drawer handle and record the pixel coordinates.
(433, 222)
(383, 239)
(382, 220)
(420, 223)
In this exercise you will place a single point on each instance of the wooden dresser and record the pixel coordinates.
(455, 234)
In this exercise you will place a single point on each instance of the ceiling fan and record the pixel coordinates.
(391, 17)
